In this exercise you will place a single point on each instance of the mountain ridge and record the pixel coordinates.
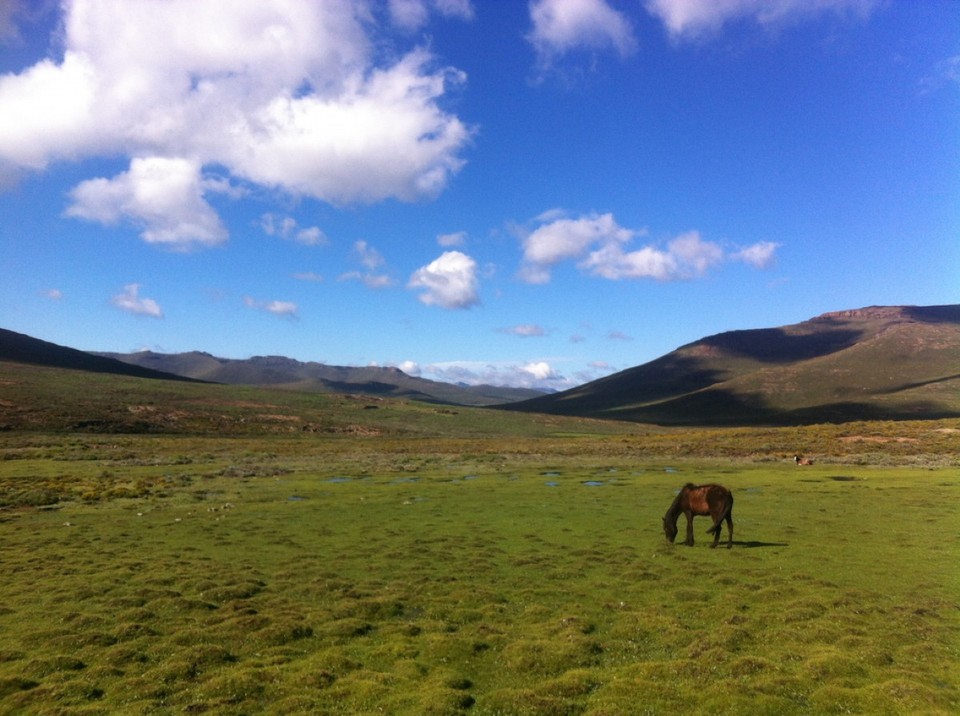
(311, 376)
(878, 362)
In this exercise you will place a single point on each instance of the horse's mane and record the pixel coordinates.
(674, 509)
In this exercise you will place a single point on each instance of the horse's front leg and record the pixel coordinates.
(689, 541)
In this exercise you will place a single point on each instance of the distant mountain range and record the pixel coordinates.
(279, 372)
(273, 371)
(877, 363)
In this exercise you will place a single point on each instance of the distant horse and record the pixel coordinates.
(802, 460)
(713, 500)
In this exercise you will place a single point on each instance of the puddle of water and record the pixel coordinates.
(404, 480)
(670, 469)
(340, 479)
(296, 498)
(593, 483)
(551, 473)
(552, 484)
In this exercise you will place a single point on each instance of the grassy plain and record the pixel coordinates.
(436, 561)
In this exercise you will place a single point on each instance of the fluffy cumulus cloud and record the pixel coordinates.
(163, 197)
(285, 95)
(560, 26)
(450, 281)
(131, 301)
(601, 247)
(693, 18)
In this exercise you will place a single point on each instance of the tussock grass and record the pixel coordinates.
(451, 575)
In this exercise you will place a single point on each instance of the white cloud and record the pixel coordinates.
(525, 330)
(287, 95)
(600, 247)
(450, 281)
(54, 294)
(370, 280)
(759, 255)
(693, 18)
(277, 308)
(129, 300)
(286, 227)
(537, 374)
(540, 370)
(458, 238)
(560, 26)
(410, 367)
(308, 276)
(562, 238)
(369, 256)
(163, 197)
(946, 72)
(281, 308)
(411, 15)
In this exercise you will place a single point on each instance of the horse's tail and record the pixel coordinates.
(728, 508)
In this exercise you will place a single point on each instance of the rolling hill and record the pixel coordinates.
(877, 363)
(273, 371)
(20, 348)
(280, 372)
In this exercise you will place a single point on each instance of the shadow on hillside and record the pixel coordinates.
(753, 544)
(921, 384)
(934, 314)
(775, 345)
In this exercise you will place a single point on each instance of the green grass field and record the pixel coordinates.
(432, 569)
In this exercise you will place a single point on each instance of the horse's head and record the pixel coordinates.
(669, 529)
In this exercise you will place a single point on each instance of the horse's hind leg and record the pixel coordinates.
(729, 529)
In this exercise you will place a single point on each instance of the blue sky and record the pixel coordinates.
(521, 193)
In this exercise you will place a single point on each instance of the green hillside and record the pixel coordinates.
(876, 363)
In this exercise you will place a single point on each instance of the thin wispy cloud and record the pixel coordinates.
(371, 260)
(286, 227)
(688, 19)
(525, 330)
(456, 239)
(288, 309)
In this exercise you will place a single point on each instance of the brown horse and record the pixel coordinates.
(802, 460)
(713, 500)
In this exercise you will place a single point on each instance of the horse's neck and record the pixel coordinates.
(673, 513)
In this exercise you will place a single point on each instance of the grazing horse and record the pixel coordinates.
(802, 460)
(713, 500)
